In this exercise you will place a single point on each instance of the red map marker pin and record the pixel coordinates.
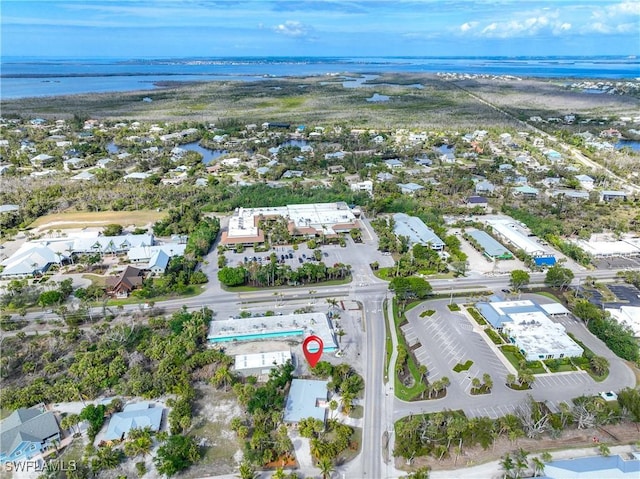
(312, 349)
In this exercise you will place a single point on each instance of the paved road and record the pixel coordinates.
(381, 407)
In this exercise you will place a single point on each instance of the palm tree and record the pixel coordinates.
(488, 382)
(511, 379)
(326, 467)
(507, 465)
(599, 365)
(246, 471)
(538, 466)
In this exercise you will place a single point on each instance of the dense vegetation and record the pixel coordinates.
(618, 337)
(274, 273)
(447, 433)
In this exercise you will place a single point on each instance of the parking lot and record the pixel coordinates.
(448, 338)
(616, 263)
(358, 255)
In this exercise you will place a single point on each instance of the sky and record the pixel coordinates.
(228, 28)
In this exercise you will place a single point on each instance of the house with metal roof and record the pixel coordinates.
(490, 247)
(595, 467)
(27, 433)
(134, 416)
(409, 188)
(418, 233)
(260, 363)
(307, 398)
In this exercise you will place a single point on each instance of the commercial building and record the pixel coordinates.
(418, 233)
(260, 363)
(628, 316)
(307, 398)
(510, 232)
(529, 327)
(36, 257)
(490, 247)
(606, 247)
(275, 327)
(316, 219)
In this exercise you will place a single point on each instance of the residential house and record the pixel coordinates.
(134, 416)
(484, 187)
(384, 176)
(41, 160)
(136, 176)
(526, 191)
(84, 176)
(73, 163)
(610, 195)
(366, 185)
(104, 163)
(477, 202)
(26, 433)
(338, 155)
(409, 188)
(334, 169)
(571, 194)
(394, 163)
(585, 181)
(125, 282)
(553, 156)
(293, 174)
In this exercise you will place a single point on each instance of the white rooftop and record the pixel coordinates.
(599, 248)
(508, 229)
(627, 316)
(539, 337)
(274, 327)
(262, 360)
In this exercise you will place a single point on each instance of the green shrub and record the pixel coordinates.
(495, 337)
(463, 367)
(453, 307)
(429, 312)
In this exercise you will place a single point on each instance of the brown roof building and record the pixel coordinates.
(125, 282)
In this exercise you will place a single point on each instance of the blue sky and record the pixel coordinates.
(190, 28)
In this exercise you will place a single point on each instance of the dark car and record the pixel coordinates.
(290, 255)
(300, 260)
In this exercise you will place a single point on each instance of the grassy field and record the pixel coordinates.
(84, 219)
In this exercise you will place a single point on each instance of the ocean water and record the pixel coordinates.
(28, 77)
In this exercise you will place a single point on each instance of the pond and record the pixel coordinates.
(633, 144)
(377, 98)
(298, 143)
(207, 155)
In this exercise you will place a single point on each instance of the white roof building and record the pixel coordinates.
(145, 252)
(539, 338)
(627, 316)
(305, 220)
(274, 327)
(260, 363)
(509, 231)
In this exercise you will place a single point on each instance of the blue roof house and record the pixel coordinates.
(307, 398)
(134, 416)
(26, 433)
(611, 467)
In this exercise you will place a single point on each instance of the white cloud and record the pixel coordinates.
(465, 27)
(293, 29)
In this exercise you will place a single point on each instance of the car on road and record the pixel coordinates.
(300, 260)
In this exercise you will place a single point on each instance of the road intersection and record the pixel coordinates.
(381, 408)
